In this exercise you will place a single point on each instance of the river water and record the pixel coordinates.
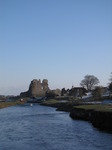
(38, 127)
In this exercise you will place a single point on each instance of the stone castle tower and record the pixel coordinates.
(36, 88)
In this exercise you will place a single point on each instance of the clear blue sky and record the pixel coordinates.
(59, 40)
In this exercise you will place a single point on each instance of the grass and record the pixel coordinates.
(51, 101)
(8, 104)
(98, 107)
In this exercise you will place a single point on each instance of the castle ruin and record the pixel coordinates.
(36, 88)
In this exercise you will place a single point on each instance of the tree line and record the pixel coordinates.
(90, 81)
(88, 84)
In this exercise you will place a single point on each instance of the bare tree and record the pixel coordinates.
(89, 82)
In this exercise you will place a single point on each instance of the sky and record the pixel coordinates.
(58, 40)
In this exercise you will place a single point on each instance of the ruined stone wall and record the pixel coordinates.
(37, 88)
(45, 86)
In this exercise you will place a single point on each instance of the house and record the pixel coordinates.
(77, 91)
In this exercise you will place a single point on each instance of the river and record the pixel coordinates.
(25, 127)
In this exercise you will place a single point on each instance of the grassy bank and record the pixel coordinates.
(60, 105)
(98, 107)
(77, 104)
(11, 103)
(50, 101)
(99, 115)
(7, 104)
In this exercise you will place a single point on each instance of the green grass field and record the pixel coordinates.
(8, 104)
(98, 107)
(51, 101)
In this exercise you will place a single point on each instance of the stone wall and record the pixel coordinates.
(36, 88)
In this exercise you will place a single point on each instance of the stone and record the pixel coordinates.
(36, 89)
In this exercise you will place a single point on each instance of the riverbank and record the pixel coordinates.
(60, 105)
(8, 104)
(100, 115)
(12, 103)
